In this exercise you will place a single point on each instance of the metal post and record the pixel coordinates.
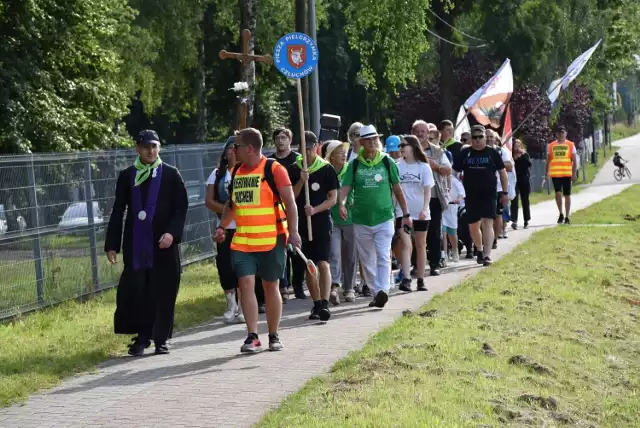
(37, 249)
(315, 78)
(88, 196)
(172, 155)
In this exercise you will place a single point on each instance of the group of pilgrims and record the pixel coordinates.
(354, 210)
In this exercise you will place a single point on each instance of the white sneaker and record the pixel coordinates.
(232, 308)
(350, 296)
(455, 257)
(239, 319)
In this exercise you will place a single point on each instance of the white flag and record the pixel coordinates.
(488, 103)
(572, 72)
(462, 123)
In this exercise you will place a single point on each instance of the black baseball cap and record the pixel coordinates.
(148, 136)
(310, 138)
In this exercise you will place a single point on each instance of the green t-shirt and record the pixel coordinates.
(373, 203)
(335, 210)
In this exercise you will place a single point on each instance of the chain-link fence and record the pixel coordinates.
(54, 211)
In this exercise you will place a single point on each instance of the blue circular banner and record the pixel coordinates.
(295, 55)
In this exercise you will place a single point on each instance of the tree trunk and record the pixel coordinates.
(248, 20)
(446, 60)
(201, 87)
(301, 27)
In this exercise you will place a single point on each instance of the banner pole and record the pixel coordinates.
(304, 154)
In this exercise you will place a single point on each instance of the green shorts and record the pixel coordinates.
(268, 265)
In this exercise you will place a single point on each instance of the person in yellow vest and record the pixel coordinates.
(561, 169)
(260, 192)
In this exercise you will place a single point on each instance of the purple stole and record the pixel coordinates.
(143, 242)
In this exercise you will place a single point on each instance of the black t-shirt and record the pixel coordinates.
(455, 149)
(321, 182)
(288, 160)
(479, 168)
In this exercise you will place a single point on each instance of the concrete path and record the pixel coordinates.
(205, 382)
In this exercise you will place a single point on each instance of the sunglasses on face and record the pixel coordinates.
(464, 140)
(477, 137)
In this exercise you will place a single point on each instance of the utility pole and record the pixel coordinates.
(315, 79)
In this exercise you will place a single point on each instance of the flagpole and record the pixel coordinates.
(461, 120)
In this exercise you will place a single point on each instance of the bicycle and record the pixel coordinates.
(621, 172)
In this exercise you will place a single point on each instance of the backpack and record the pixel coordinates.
(387, 165)
(268, 177)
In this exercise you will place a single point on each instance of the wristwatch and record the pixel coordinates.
(406, 215)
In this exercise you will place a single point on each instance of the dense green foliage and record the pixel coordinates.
(78, 75)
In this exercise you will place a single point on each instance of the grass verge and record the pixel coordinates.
(41, 349)
(620, 131)
(591, 172)
(548, 336)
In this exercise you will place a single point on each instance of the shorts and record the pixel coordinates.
(562, 184)
(499, 207)
(481, 206)
(418, 225)
(268, 265)
(318, 250)
(449, 230)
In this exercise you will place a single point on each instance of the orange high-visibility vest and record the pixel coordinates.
(561, 159)
(260, 217)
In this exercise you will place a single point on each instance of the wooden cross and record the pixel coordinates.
(245, 58)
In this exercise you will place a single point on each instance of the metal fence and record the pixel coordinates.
(53, 215)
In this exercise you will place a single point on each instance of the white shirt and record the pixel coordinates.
(227, 180)
(450, 215)
(414, 177)
(505, 154)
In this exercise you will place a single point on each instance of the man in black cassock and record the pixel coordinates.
(156, 203)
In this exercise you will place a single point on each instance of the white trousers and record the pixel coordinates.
(374, 254)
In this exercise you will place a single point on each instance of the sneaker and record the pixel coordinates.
(443, 263)
(495, 244)
(239, 319)
(504, 234)
(251, 344)
(274, 342)
(162, 349)
(138, 346)
(567, 220)
(434, 272)
(324, 312)
(514, 225)
(405, 285)
(455, 257)
(526, 224)
(262, 309)
(232, 308)
(399, 277)
(349, 296)
(284, 293)
(421, 286)
(480, 258)
(300, 294)
(487, 261)
(560, 218)
(334, 298)
(366, 292)
(469, 255)
(381, 299)
(315, 311)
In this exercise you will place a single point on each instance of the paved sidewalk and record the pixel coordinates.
(205, 382)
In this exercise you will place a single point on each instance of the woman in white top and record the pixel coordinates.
(416, 179)
(217, 196)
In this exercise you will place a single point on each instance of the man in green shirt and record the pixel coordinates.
(374, 178)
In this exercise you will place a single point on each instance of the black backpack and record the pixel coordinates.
(387, 165)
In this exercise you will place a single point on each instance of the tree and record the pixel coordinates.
(59, 81)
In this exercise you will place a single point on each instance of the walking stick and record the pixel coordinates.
(311, 266)
(304, 154)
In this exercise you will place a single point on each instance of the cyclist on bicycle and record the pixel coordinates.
(617, 161)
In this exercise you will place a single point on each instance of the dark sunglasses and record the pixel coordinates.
(464, 140)
(404, 144)
(477, 137)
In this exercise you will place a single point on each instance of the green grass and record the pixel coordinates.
(561, 316)
(592, 171)
(620, 131)
(41, 349)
